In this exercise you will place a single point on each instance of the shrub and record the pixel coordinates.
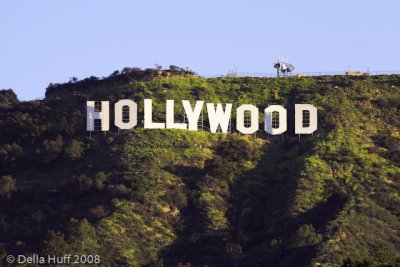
(82, 183)
(83, 237)
(9, 154)
(55, 244)
(7, 186)
(99, 180)
(51, 149)
(121, 190)
(177, 197)
(98, 211)
(75, 150)
(8, 98)
(305, 236)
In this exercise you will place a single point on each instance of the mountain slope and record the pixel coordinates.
(164, 197)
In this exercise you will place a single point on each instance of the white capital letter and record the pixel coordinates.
(305, 119)
(148, 116)
(192, 115)
(240, 119)
(219, 117)
(102, 115)
(280, 124)
(170, 117)
(119, 120)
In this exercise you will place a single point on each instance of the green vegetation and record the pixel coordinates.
(182, 198)
(7, 186)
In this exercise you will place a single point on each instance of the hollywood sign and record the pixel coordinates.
(275, 117)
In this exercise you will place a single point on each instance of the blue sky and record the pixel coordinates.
(47, 41)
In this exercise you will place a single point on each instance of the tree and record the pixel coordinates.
(73, 79)
(8, 98)
(174, 68)
(121, 190)
(51, 148)
(82, 183)
(83, 237)
(75, 150)
(55, 244)
(234, 252)
(9, 155)
(7, 186)
(98, 211)
(126, 70)
(305, 236)
(115, 73)
(99, 180)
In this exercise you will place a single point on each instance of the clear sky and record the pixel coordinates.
(47, 41)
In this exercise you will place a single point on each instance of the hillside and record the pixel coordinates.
(180, 198)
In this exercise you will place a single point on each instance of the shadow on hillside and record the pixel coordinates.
(260, 216)
(47, 199)
(261, 202)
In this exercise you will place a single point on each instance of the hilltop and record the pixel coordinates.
(165, 197)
